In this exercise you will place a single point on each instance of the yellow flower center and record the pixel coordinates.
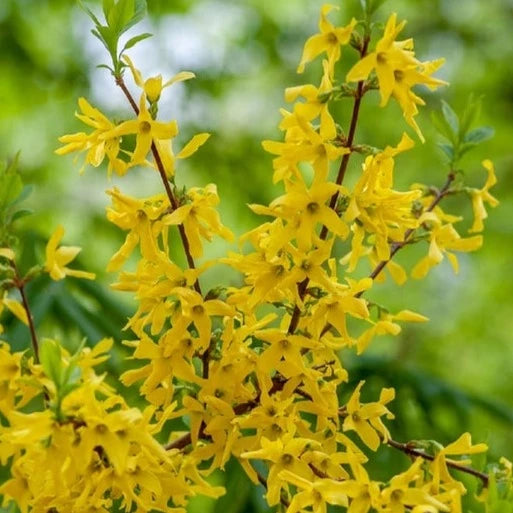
(381, 57)
(144, 127)
(396, 495)
(198, 310)
(284, 343)
(287, 459)
(331, 38)
(312, 207)
(399, 75)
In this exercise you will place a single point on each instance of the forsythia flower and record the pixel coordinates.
(146, 129)
(15, 307)
(57, 258)
(329, 40)
(366, 419)
(99, 144)
(443, 237)
(397, 70)
(480, 196)
(199, 218)
(153, 86)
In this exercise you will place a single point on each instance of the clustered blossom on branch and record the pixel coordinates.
(253, 371)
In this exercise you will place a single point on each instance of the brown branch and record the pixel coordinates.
(174, 205)
(20, 285)
(172, 198)
(411, 451)
(360, 91)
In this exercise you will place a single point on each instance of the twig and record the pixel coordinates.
(160, 166)
(396, 246)
(411, 451)
(20, 285)
(302, 287)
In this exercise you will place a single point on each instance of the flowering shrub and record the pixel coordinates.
(253, 371)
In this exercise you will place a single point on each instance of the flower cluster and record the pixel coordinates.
(251, 371)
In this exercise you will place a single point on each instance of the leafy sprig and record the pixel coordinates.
(120, 16)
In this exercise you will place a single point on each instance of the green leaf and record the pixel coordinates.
(24, 212)
(107, 7)
(478, 135)
(119, 15)
(375, 5)
(11, 185)
(134, 40)
(101, 38)
(470, 114)
(448, 150)
(106, 67)
(51, 361)
(441, 125)
(90, 13)
(451, 118)
(139, 14)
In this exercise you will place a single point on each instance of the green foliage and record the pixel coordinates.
(12, 193)
(65, 375)
(120, 16)
(371, 6)
(500, 490)
(457, 131)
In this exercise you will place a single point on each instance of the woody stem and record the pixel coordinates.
(172, 199)
(411, 451)
(20, 285)
(302, 287)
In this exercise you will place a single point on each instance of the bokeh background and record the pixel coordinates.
(452, 374)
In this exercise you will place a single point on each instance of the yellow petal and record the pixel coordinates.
(179, 77)
(16, 309)
(193, 145)
(7, 253)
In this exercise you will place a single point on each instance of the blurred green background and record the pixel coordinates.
(453, 373)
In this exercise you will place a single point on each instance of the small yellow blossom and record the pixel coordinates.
(146, 129)
(443, 237)
(397, 70)
(153, 86)
(366, 419)
(199, 218)
(97, 144)
(329, 40)
(58, 257)
(480, 196)
(15, 307)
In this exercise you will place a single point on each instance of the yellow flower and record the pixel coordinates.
(480, 196)
(397, 70)
(58, 257)
(168, 158)
(443, 237)
(137, 217)
(329, 40)
(146, 130)
(366, 419)
(306, 208)
(199, 218)
(389, 56)
(285, 454)
(97, 144)
(399, 497)
(15, 307)
(153, 86)
(462, 446)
